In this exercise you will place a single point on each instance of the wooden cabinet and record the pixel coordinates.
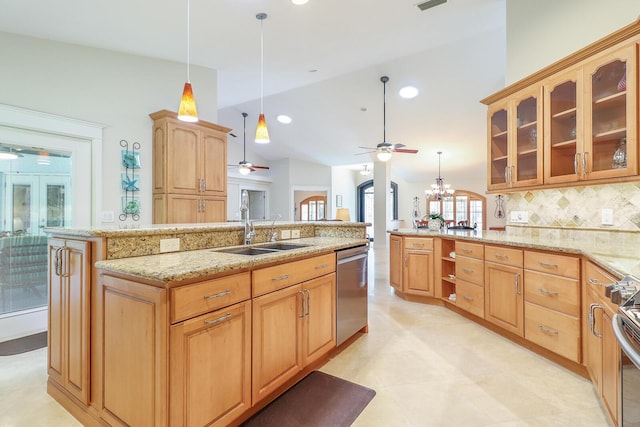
(69, 316)
(504, 288)
(552, 302)
(515, 135)
(189, 159)
(447, 270)
(292, 327)
(602, 353)
(417, 278)
(469, 277)
(587, 126)
(395, 262)
(210, 373)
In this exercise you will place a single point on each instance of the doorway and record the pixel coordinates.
(365, 207)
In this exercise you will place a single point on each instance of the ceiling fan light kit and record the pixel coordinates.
(187, 112)
(262, 133)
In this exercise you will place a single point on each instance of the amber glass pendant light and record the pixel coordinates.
(187, 111)
(262, 134)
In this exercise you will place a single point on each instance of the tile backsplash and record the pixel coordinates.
(579, 208)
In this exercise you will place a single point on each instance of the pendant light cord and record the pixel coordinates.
(244, 137)
(188, 38)
(262, 64)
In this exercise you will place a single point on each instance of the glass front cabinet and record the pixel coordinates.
(590, 128)
(515, 135)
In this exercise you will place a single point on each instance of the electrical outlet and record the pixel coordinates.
(520, 216)
(607, 217)
(108, 216)
(295, 234)
(285, 234)
(169, 245)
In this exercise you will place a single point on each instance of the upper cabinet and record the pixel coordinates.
(572, 122)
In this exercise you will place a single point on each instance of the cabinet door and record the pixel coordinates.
(610, 366)
(395, 262)
(418, 272)
(183, 175)
(593, 340)
(319, 329)
(526, 142)
(214, 168)
(503, 297)
(276, 334)
(69, 276)
(498, 155)
(563, 128)
(212, 209)
(610, 125)
(211, 367)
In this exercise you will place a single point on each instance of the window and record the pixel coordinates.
(313, 208)
(464, 208)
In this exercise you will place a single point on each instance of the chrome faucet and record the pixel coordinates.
(273, 233)
(249, 229)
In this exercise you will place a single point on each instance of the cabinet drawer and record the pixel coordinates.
(596, 278)
(471, 250)
(280, 276)
(552, 330)
(506, 256)
(202, 297)
(562, 265)
(470, 269)
(418, 243)
(554, 292)
(470, 297)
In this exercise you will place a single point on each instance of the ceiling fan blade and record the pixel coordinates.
(366, 152)
(396, 146)
(368, 148)
(405, 150)
(260, 167)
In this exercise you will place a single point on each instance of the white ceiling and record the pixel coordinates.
(454, 53)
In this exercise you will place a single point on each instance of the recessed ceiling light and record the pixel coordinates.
(408, 92)
(299, 2)
(284, 119)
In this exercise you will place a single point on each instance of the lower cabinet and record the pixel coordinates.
(292, 327)
(417, 278)
(503, 297)
(210, 367)
(395, 262)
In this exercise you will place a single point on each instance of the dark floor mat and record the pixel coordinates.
(24, 344)
(319, 399)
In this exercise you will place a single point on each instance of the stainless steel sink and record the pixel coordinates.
(261, 250)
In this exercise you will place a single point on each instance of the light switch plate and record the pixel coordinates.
(607, 217)
(285, 234)
(295, 234)
(169, 245)
(520, 217)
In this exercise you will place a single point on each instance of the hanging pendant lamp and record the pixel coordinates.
(187, 111)
(439, 190)
(262, 134)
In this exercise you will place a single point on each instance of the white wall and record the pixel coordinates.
(343, 183)
(542, 32)
(100, 86)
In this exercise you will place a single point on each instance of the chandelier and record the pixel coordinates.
(439, 190)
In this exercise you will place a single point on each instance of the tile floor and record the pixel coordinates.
(429, 367)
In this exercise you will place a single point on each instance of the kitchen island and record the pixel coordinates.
(193, 337)
(544, 289)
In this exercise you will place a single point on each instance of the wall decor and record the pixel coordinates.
(130, 181)
(338, 201)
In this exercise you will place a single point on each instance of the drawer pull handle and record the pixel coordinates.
(466, 251)
(546, 292)
(467, 298)
(418, 245)
(467, 270)
(500, 256)
(546, 264)
(286, 276)
(218, 320)
(218, 295)
(547, 330)
(594, 282)
(321, 266)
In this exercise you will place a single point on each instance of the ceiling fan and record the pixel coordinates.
(386, 149)
(245, 167)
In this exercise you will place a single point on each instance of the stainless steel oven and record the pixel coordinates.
(626, 328)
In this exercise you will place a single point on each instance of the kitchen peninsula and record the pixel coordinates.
(544, 289)
(196, 336)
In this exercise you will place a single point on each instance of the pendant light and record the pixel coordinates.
(187, 111)
(262, 134)
(439, 190)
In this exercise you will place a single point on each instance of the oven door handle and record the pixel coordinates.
(623, 340)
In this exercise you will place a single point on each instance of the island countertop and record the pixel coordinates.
(617, 255)
(170, 268)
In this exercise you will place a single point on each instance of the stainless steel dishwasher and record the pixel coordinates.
(351, 292)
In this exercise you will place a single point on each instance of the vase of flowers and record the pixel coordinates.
(435, 221)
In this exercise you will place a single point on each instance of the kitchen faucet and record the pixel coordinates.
(273, 233)
(249, 230)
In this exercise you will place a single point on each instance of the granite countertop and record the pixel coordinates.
(169, 268)
(617, 257)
